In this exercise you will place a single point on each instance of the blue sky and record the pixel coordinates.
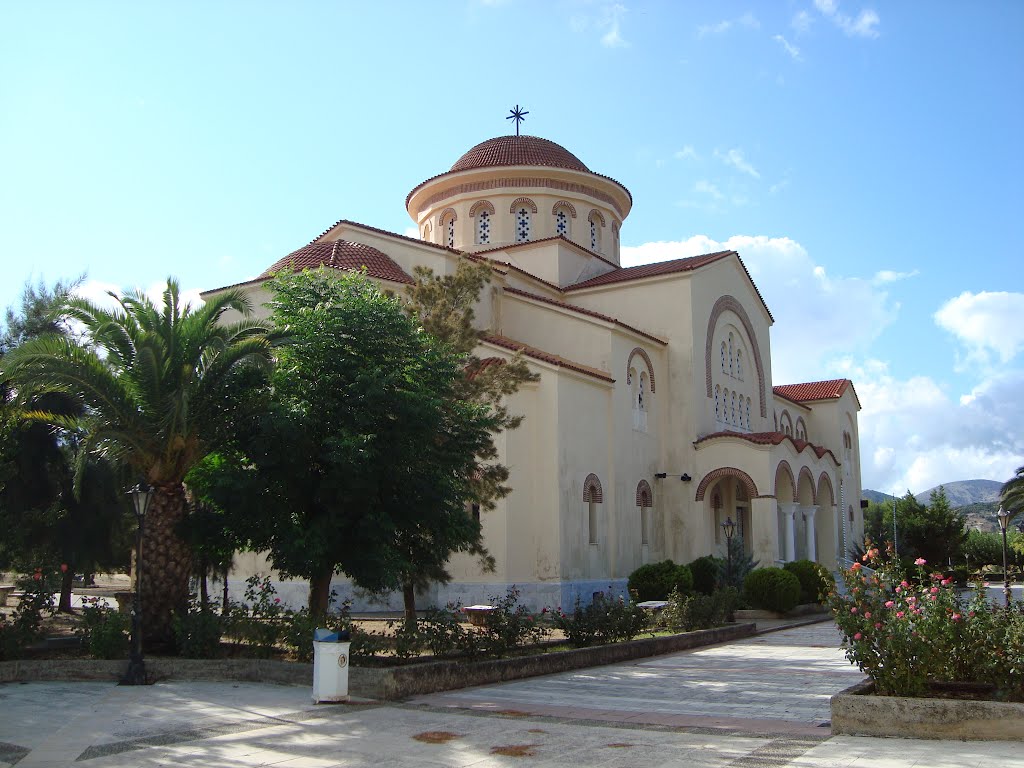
(865, 159)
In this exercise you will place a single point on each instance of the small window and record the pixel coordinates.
(448, 227)
(483, 228)
(730, 356)
(645, 525)
(739, 364)
(723, 358)
(592, 523)
(642, 392)
(595, 238)
(718, 406)
(562, 223)
(523, 224)
(748, 413)
(733, 409)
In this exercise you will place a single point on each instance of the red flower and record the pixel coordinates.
(63, 567)
(37, 576)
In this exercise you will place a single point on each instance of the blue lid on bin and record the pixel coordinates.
(321, 635)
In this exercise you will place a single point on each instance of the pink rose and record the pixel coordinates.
(855, 567)
(956, 617)
(899, 614)
(920, 561)
(853, 610)
(867, 614)
(857, 636)
(934, 590)
(277, 600)
(890, 604)
(899, 589)
(878, 625)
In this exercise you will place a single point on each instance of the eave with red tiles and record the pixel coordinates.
(539, 354)
(580, 310)
(563, 238)
(797, 403)
(769, 438)
(810, 391)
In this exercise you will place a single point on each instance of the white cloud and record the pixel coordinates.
(778, 186)
(864, 25)
(914, 436)
(734, 158)
(705, 187)
(788, 47)
(890, 276)
(612, 22)
(801, 22)
(747, 20)
(686, 153)
(985, 322)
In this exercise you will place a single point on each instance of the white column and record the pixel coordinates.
(788, 511)
(812, 552)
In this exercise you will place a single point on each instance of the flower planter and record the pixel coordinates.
(858, 712)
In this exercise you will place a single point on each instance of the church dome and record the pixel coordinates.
(341, 254)
(518, 150)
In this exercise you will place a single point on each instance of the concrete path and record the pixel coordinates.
(753, 703)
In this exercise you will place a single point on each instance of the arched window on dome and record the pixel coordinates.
(447, 223)
(523, 224)
(732, 410)
(739, 364)
(482, 211)
(731, 362)
(749, 428)
(718, 403)
(596, 219)
(723, 358)
(564, 212)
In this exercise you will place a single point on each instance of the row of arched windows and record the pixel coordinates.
(732, 408)
(523, 211)
(784, 424)
(732, 358)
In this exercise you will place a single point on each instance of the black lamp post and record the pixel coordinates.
(1004, 521)
(729, 528)
(141, 496)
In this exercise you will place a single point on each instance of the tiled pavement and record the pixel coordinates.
(754, 703)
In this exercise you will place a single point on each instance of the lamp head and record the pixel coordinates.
(729, 527)
(1004, 518)
(141, 496)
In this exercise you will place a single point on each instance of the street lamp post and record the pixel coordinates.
(729, 528)
(1004, 521)
(141, 496)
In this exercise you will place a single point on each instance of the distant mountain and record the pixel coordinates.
(960, 493)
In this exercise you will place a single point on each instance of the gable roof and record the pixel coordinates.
(563, 238)
(341, 254)
(831, 389)
(656, 269)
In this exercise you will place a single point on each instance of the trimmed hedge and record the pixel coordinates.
(707, 571)
(772, 589)
(655, 581)
(815, 581)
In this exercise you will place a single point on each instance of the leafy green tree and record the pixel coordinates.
(366, 445)
(934, 532)
(155, 388)
(982, 548)
(443, 305)
(47, 517)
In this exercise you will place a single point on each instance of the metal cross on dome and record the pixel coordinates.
(518, 115)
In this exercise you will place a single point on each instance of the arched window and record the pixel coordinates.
(723, 357)
(592, 496)
(731, 369)
(739, 364)
(801, 429)
(642, 393)
(562, 223)
(644, 500)
(523, 224)
(733, 409)
(483, 228)
(718, 406)
(596, 219)
(447, 223)
(748, 415)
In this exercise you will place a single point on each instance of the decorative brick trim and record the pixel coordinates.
(596, 215)
(825, 482)
(444, 213)
(564, 204)
(479, 205)
(522, 201)
(782, 416)
(717, 474)
(730, 304)
(796, 427)
(644, 496)
(534, 182)
(592, 489)
(784, 466)
(647, 359)
(805, 472)
(615, 227)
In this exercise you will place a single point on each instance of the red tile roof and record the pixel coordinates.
(548, 357)
(770, 438)
(832, 389)
(379, 231)
(651, 270)
(582, 311)
(479, 366)
(341, 254)
(790, 399)
(518, 150)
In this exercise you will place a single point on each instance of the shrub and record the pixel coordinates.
(197, 633)
(686, 613)
(706, 571)
(257, 622)
(772, 589)
(732, 574)
(655, 581)
(24, 627)
(104, 630)
(606, 620)
(815, 581)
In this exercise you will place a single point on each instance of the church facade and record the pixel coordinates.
(654, 418)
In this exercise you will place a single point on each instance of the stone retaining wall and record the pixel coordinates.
(381, 683)
(856, 712)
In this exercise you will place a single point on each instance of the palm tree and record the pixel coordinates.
(160, 389)
(1012, 493)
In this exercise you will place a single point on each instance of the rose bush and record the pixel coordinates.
(908, 630)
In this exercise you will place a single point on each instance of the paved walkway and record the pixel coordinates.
(758, 703)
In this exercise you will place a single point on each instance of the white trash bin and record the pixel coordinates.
(330, 667)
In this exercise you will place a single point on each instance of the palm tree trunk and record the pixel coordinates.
(409, 598)
(166, 564)
(66, 580)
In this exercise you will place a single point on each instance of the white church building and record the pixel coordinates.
(655, 416)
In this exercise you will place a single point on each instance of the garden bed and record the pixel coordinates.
(858, 712)
(385, 684)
